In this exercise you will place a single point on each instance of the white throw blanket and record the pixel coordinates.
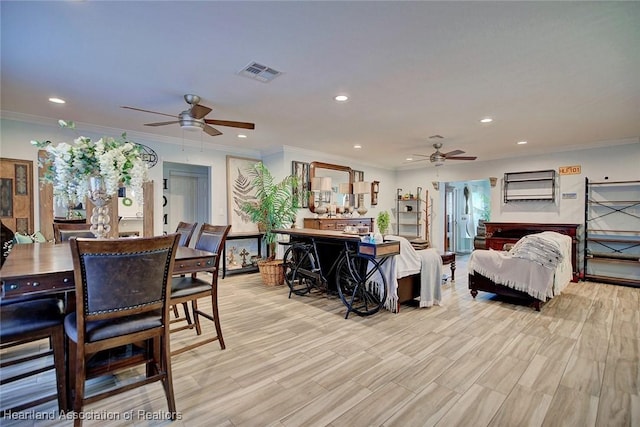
(524, 274)
(427, 262)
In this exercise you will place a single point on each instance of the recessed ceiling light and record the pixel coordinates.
(357, 146)
(486, 120)
(341, 98)
(242, 135)
(408, 159)
(521, 142)
(57, 100)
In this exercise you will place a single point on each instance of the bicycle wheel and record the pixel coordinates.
(357, 291)
(299, 269)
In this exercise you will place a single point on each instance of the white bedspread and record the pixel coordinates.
(426, 262)
(535, 278)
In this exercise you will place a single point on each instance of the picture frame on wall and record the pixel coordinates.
(239, 191)
(301, 171)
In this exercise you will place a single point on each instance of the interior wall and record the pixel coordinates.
(617, 162)
(15, 137)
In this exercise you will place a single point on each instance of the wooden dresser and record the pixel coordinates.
(337, 224)
(500, 233)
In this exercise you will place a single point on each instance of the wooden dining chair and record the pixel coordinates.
(122, 300)
(22, 324)
(211, 238)
(63, 232)
(185, 230)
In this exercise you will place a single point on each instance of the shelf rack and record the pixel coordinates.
(408, 214)
(612, 232)
(530, 186)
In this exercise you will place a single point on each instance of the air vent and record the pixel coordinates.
(259, 72)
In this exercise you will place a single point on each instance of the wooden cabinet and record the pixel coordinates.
(500, 233)
(337, 224)
(612, 232)
(530, 186)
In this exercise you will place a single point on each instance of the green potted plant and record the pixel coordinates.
(273, 207)
(383, 220)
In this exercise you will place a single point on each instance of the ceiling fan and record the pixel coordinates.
(439, 157)
(193, 118)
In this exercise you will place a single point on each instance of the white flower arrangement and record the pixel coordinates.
(69, 166)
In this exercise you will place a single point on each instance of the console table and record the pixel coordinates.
(337, 224)
(250, 268)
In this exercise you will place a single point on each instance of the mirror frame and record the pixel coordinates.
(312, 173)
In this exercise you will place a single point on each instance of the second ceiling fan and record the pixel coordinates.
(438, 158)
(194, 118)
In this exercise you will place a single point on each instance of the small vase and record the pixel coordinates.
(100, 220)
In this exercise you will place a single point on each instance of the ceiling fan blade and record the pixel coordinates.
(147, 111)
(199, 111)
(211, 131)
(415, 161)
(162, 123)
(453, 153)
(230, 123)
(462, 158)
(422, 155)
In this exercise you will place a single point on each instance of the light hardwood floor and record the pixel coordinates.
(483, 362)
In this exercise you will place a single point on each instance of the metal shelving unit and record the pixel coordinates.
(532, 186)
(612, 232)
(408, 214)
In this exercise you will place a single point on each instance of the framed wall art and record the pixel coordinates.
(301, 171)
(239, 191)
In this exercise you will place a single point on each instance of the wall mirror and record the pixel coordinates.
(334, 176)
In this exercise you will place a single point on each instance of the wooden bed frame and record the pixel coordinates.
(502, 233)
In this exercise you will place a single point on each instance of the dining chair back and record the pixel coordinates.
(185, 230)
(64, 231)
(211, 238)
(122, 289)
(23, 323)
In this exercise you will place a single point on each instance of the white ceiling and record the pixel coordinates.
(561, 75)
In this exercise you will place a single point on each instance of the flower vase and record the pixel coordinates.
(100, 220)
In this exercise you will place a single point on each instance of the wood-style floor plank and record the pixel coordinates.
(484, 362)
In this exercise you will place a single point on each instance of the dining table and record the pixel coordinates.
(37, 269)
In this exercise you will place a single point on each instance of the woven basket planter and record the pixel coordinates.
(272, 272)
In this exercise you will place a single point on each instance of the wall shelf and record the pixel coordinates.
(612, 232)
(531, 186)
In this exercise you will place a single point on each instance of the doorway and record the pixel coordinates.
(185, 194)
(466, 202)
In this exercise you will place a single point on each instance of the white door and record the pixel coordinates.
(186, 196)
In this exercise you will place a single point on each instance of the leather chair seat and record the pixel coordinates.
(30, 316)
(103, 329)
(183, 286)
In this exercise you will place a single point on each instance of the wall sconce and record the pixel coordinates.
(436, 185)
(493, 181)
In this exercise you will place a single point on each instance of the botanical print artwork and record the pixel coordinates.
(239, 191)
(301, 171)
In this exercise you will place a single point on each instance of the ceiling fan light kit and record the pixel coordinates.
(438, 158)
(193, 119)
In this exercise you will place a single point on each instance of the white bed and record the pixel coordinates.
(539, 265)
